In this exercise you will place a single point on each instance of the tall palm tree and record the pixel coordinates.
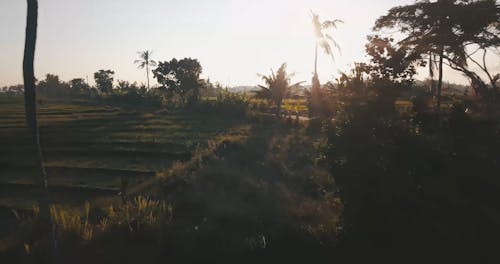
(31, 118)
(323, 39)
(277, 87)
(145, 61)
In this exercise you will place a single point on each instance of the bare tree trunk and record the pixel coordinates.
(440, 81)
(431, 74)
(31, 119)
(316, 60)
(147, 74)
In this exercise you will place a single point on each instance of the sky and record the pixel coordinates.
(234, 40)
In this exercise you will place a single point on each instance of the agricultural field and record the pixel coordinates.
(89, 149)
(289, 107)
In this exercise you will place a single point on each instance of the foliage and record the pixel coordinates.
(141, 212)
(145, 61)
(212, 90)
(181, 77)
(104, 81)
(13, 89)
(277, 87)
(226, 103)
(398, 173)
(255, 190)
(78, 86)
(390, 62)
(324, 40)
(447, 28)
(52, 86)
(72, 223)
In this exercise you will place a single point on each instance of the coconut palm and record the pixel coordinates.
(323, 39)
(145, 61)
(31, 119)
(277, 87)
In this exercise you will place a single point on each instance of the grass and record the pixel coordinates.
(94, 146)
(219, 183)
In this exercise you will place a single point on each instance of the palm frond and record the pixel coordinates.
(335, 44)
(331, 24)
(326, 47)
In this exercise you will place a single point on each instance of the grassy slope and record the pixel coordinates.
(89, 148)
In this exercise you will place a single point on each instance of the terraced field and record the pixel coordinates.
(89, 148)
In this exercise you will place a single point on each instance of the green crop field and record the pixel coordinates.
(89, 148)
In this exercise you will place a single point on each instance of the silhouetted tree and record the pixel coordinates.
(52, 86)
(104, 80)
(180, 77)
(277, 87)
(323, 39)
(15, 89)
(390, 62)
(31, 116)
(145, 61)
(79, 86)
(356, 79)
(445, 28)
(125, 87)
(475, 23)
(326, 42)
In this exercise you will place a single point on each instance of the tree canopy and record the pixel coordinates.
(104, 80)
(449, 28)
(181, 77)
(277, 87)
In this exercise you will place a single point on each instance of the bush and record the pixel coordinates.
(226, 103)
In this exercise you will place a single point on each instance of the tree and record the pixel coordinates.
(78, 85)
(444, 29)
(31, 117)
(104, 80)
(477, 25)
(52, 86)
(277, 87)
(325, 41)
(145, 61)
(181, 77)
(391, 62)
(125, 87)
(427, 27)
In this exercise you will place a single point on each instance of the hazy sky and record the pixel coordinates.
(233, 39)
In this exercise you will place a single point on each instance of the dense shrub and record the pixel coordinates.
(226, 103)
(411, 182)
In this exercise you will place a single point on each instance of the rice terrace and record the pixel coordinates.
(100, 145)
(249, 131)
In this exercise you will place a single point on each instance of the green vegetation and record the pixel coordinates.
(370, 166)
(278, 87)
(101, 145)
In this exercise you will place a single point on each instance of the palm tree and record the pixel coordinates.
(31, 118)
(145, 61)
(326, 42)
(323, 40)
(277, 87)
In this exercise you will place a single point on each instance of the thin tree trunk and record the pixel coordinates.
(431, 74)
(147, 74)
(440, 81)
(316, 60)
(31, 118)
